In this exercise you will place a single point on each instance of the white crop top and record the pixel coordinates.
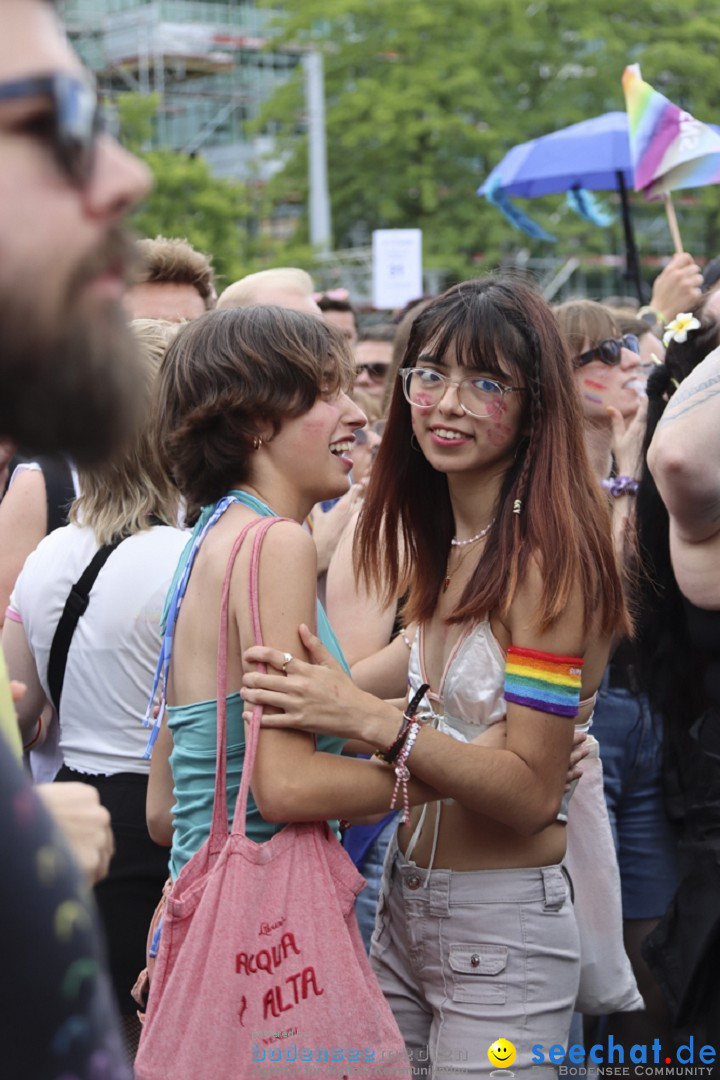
(469, 699)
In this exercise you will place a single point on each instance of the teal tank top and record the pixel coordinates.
(194, 731)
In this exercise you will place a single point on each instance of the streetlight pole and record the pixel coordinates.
(319, 205)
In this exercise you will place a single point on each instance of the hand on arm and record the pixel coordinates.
(293, 781)
(521, 785)
(320, 697)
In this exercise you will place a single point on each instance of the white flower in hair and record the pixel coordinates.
(678, 329)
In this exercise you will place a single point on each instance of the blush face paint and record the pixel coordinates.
(497, 409)
(499, 434)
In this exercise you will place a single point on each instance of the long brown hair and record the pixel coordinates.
(406, 523)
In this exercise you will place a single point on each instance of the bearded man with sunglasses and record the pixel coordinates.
(67, 377)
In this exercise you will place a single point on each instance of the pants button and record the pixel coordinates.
(413, 881)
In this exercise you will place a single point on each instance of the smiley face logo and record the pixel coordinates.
(502, 1053)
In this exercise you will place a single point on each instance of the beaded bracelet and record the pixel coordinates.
(391, 752)
(620, 485)
(402, 773)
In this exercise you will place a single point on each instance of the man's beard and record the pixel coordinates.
(68, 380)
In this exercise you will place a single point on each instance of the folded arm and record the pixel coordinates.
(519, 785)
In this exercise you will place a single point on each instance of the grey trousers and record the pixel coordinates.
(473, 957)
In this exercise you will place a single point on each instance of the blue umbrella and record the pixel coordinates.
(593, 155)
(587, 155)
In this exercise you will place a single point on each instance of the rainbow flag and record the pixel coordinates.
(669, 147)
(543, 681)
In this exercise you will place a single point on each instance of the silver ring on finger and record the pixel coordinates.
(287, 657)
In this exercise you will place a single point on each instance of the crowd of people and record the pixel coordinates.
(510, 712)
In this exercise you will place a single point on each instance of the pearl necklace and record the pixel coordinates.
(464, 543)
(479, 536)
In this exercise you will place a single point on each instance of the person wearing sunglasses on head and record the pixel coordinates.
(373, 357)
(610, 377)
(68, 369)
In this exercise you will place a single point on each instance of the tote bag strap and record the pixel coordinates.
(219, 831)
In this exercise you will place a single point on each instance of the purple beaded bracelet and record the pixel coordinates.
(620, 485)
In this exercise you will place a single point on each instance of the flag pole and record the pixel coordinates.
(632, 262)
(672, 222)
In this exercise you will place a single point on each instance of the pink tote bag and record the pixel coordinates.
(261, 969)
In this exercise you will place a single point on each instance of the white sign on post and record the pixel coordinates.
(397, 267)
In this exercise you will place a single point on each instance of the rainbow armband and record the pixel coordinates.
(543, 681)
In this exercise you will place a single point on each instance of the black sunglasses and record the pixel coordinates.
(375, 371)
(75, 117)
(608, 352)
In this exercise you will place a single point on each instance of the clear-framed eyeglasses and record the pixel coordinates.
(478, 395)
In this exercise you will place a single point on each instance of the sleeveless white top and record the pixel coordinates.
(469, 699)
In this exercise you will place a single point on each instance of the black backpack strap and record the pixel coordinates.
(59, 489)
(75, 606)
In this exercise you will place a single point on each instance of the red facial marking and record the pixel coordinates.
(497, 409)
(594, 385)
(499, 434)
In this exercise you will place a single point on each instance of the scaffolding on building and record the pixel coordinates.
(210, 62)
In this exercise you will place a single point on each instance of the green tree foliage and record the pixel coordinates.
(424, 99)
(216, 216)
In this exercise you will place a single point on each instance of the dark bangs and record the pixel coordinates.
(475, 323)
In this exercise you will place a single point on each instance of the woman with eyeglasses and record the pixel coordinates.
(610, 377)
(482, 505)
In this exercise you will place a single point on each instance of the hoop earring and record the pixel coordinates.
(414, 444)
(257, 442)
